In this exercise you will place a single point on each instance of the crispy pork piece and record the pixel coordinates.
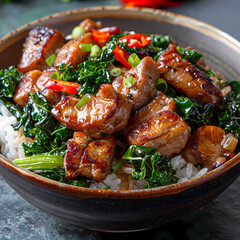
(71, 52)
(27, 84)
(106, 113)
(210, 147)
(166, 131)
(186, 78)
(52, 96)
(159, 104)
(75, 148)
(40, 44)
(89, 25)
(143, 90)
(90, 159)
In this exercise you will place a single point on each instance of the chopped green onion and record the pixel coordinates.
(104, 47)
(78, 32)
(117, 165)
(51, 59)
(86, 47)
(40, 162)
(82, 101)
(106, 188)
(115, 72)
(95, 50)
(128, 81)
(161, 85)
(55, 75)
(134, 60)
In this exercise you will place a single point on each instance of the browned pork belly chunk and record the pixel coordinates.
(90, 159)
(143, 90)
(52, 96)
(89, 25)
(71, 52)
(26, 85)
(106, 113)
(166, 131)
(159, 104)
(210, 147)
(40, 44)
(186, 78)
(75, 147)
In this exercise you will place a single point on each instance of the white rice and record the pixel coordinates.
(11, 147)
(10, 140)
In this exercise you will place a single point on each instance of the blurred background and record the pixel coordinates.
(219, 220)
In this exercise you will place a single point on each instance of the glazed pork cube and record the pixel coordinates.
(210, 147)
(27, 84)
(71, 52)
(143, 90)
(40, 44)
(91, 159)
(89, 25)
(186, 78)
(106, 113)
(166, 131)
(159, 104)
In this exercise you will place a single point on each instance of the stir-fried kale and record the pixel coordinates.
(58, 174)
(91, 75)
(228, 113)
(189, 54)
(38, 123)
(195, 113)
(150, 166)
(9, 79)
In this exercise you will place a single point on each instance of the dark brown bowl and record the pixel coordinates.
(113, 210)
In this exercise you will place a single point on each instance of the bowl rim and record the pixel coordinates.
(133, 13)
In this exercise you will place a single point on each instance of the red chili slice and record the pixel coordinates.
(100, 38)
(135, 40)
(122, 56)
(112, 30)
(62, 86)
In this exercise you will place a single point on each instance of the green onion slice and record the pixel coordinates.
(86, 47)
(55, 75)
(161, 85)
(78, 32)
(82, 101)
(134, 60)
(116, 72)
(40, 162)
(117, 165)
(128, 81)
(51, 59)
(95, 51)
(106, 188)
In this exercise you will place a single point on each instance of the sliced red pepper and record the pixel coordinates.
(112, 30)
(151, 3)
(136, 40)
(62, 86)
(100, 38)
(122, 56)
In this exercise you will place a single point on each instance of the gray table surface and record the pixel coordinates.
(219, 219)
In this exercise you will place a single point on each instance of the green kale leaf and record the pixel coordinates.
(190, 55)
(150, 166)
(9, 79)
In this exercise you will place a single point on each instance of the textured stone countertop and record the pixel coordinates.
(218, 220)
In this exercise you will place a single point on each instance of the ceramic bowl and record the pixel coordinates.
(111, 210)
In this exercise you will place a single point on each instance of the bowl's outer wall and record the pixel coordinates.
(119, 214)
(128, 214)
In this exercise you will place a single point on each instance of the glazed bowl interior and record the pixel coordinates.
(221, 52)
